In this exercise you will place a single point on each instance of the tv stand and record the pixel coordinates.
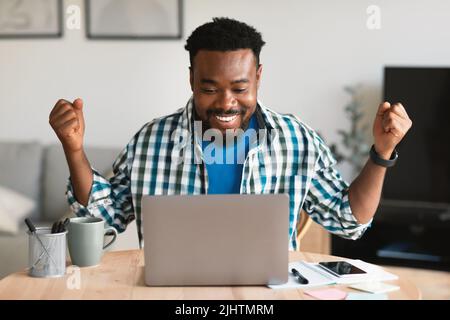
(402, 236)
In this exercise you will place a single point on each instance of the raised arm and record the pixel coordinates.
(390, 126)
(67, 121)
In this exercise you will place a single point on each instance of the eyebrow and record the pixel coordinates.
(211, 81)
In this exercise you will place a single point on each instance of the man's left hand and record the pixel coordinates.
(390, 126)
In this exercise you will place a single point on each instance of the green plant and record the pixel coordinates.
(353, 140)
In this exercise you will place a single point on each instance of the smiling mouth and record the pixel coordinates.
(226, 118)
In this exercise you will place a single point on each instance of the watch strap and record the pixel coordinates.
(383, 162)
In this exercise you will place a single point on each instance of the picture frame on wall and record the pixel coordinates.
(134, 20)
(31, 19)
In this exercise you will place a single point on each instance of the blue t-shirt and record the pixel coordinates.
(223, 177)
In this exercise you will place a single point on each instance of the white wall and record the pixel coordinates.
(313, 49)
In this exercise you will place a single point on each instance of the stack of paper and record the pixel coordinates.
(315, 278)
(374, 287)
(319, 277)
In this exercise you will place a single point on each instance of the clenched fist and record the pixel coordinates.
(390, 126)
(67, 121)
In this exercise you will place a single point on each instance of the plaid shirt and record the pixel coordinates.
(165, 158)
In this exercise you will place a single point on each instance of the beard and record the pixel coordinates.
(242, 112)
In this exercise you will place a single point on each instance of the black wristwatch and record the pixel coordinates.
(383, 162)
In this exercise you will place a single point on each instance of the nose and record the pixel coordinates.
(227, 100)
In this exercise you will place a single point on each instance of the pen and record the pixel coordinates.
(300, 278)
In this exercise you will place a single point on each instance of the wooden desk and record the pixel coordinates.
(121, 276)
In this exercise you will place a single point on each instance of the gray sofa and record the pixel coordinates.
(40, 172)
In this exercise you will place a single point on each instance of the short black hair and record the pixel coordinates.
(224, 34)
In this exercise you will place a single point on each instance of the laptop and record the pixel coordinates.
(205, 240)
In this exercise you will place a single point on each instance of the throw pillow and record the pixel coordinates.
(14, 207)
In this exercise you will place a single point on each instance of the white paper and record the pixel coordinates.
(318, 277)
(374, 287)
(315, 278)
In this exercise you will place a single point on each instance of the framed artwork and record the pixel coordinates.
(134, 20)
(31, 18)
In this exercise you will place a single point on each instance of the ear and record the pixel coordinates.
(191, 78)
(258, 75)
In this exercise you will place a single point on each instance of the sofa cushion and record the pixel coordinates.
(14, 207)
(56, 173)
(21, 168)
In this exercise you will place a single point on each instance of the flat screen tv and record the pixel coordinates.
(422, 173)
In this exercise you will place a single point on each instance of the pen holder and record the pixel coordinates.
(49, 261)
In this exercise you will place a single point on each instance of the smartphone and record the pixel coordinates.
(341, 268)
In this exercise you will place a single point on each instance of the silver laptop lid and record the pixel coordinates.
(216, 239)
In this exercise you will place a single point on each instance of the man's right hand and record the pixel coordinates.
(67, 121)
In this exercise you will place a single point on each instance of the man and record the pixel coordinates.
(166, 156)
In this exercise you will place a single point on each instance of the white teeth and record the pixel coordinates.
(226, 119)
